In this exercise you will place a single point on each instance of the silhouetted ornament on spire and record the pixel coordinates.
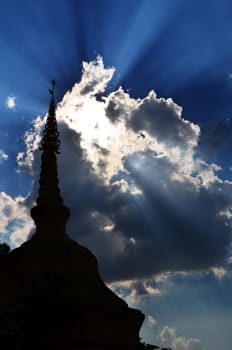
(49, 202)
(50, 140)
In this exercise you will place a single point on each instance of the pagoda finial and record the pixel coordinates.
(50, 138)
(53, 82)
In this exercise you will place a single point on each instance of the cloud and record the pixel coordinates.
(219, 272)
(15, 224)
(3, 156)
(10, 102)
(151, 321)
(159, 117)
(94, 77)
(29, 161)
(134, 291)
(145, 205)
(169, 338)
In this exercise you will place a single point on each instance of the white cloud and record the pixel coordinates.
(15, 223)
(134, 291)
(151, 321)
(169, 338)
(3, 156)
(219, 272)
(95, 77)
(10, 102)
(26, 160)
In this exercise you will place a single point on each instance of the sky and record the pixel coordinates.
(145, 118)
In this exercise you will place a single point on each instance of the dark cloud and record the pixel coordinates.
(161, 118)
(171, 225)
(175, 228)
(116, 105)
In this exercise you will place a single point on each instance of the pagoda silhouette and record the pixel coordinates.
(52, 296)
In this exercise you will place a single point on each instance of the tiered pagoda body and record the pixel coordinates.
(52, 296)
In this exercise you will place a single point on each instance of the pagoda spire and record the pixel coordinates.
(50, 208)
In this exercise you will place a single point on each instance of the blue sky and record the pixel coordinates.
(174, 169)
